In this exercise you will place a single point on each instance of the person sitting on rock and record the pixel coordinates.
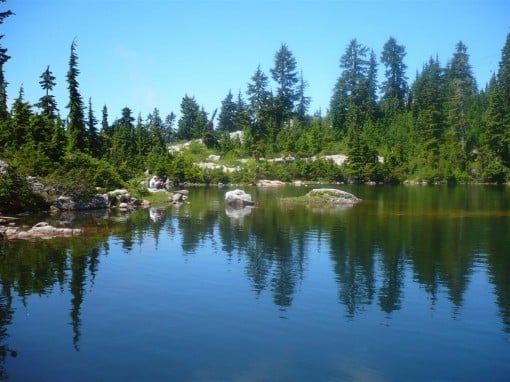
(154, 182)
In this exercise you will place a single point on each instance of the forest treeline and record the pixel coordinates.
(439, 127)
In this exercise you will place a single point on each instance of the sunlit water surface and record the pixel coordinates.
(411, 284)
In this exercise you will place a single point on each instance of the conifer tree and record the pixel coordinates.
(47, 102)
(169, 131)
(76, 129)
(199, 127)
(371, 84)
(394, 88)
(351, 95)
(259, 105)
(460, 92)
(155, 127)
(4, 57)
(226, 118)
(20, 122)
(94, 147)
(142, 138)
(123, 139)
(189, 115)
(284, 73)
(303, 102)
(427, 108)
(496, 139)
(58, 140)
(105, 127)
(241, 117)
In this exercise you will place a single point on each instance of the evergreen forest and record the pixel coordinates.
(440, 127)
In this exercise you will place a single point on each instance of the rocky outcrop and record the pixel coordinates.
(238, 198)
(179, 197)
(331, 196)
(41, 230)
(69, 203)
(119, 198)
(270, 183)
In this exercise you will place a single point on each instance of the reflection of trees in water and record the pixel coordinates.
(273, 253)
(28, 268)
(498, 260)
(372, 254)
(353, 259)
(5, 320)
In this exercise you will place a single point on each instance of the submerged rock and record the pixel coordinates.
(41, 230)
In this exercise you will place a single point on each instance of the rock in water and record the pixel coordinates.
(238, 198)
(331, 196)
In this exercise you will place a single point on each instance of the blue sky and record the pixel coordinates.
(150, 53)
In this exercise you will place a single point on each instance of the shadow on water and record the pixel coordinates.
(439, 236)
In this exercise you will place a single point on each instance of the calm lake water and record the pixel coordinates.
(413, 284)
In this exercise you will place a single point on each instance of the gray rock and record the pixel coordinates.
(123, 206)
(41, 230)
(331, 196)
(238, 198)
(70, 204)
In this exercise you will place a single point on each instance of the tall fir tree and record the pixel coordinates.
(169, 132)
(93, 136)
(155, 127)
(47, 102)
(4, 57)
(427, 108)
(200, 126)
(303, 101)
(76, 128)
(460, 89)
(284, 73)
(58, 140)
(496, 137)
(189, 115)
(242, 115)
(351, 95)
(123, 139)
(259, 105)
(226, 118)
(21, 113)
(394, 88)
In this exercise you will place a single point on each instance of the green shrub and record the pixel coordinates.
(80, 174)
(16, 194)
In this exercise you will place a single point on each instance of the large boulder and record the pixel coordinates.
(238, 198)
(331, 196)
(68, 203)
(270, 183)
(179, 197)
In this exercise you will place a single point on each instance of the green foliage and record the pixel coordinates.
(31, 161)
(439, 129)
(80, 175)
(15, 192)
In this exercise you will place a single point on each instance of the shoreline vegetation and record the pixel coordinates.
(439, 128)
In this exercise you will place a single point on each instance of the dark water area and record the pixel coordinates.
(411, 284)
